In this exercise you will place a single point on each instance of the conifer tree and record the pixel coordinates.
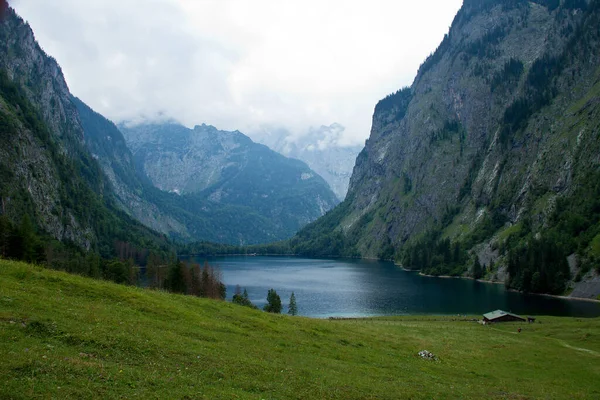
(242, 298)
(477, 270)
(292, 307)
(273, 302)
(26, 240)
(176, 280)
(5, 233)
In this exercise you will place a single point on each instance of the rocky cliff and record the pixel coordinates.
(107, 145)
(40, 129)
(70, 170)
(490, 157)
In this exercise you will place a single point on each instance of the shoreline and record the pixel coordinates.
(556, 296)
(407, 270)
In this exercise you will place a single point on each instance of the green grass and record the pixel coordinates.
(592, 93)
(505, 233)
(64, 336)
(595, 246)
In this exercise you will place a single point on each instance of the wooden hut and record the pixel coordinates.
(501, 316)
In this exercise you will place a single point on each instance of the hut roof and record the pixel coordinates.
(499, 313)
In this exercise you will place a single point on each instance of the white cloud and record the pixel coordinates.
(240, 64)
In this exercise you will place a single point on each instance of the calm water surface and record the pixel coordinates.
(345, 288)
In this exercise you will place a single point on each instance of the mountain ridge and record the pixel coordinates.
(227, 169)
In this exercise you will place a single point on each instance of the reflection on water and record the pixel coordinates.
(325, 288)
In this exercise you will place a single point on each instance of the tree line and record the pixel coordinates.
(273, 301)
(132, 266)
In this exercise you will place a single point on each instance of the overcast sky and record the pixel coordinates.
(240, 64)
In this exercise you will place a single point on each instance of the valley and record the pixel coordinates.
(136, 254)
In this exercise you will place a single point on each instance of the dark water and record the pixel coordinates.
(344, 288)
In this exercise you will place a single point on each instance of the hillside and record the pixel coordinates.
(58, 340)
(107, 145)
(217, 172)
(488, 164)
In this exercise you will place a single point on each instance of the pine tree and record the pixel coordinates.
(25, 241)
(116, 271)
(477, 270)
(292, 307)
(273, 302)
(237, 296)
(5, 233)
(242, 298)
(176, 280)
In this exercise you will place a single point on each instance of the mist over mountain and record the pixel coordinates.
(70, 170)
(323, 149)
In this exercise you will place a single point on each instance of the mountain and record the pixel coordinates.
(50, 185)
(227, 175)
(107, 145)
(185, 218)
(321, 149)
(488, 164)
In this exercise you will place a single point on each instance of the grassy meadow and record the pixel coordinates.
(65, 336)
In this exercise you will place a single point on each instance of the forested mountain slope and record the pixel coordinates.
(489, 163)
(70, 170)
(107, 145)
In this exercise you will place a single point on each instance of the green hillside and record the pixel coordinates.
(64, 336)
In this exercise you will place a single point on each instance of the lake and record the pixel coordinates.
(357, 288)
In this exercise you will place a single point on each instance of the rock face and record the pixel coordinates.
(500, 124)
(323, 153)
(218, 170)
(443, 134)
(31, 180)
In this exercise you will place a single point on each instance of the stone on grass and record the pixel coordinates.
(427, 355)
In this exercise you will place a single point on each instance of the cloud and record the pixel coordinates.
(240, 64)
